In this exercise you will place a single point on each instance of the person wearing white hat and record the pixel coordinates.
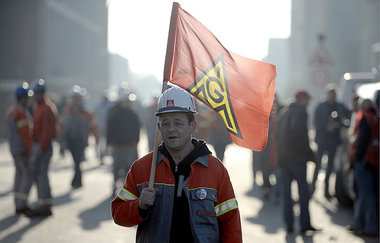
(78, 122)
(44, 131)
(192, 199)
(123, 135)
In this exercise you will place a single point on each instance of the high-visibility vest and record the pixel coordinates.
(372, 151)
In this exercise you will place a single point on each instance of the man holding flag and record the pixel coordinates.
(192, 199)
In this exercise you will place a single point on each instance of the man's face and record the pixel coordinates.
(304, 102)
(175, 130)
(125, 103)
(76, 100)
(24, 101)
(355, 104)
(366, 104)
(38, 96)
(331, 97)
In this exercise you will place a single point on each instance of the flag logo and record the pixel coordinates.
(212, 88)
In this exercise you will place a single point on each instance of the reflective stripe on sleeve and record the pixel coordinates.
(226, 207)
(21, 123)
(126, 195)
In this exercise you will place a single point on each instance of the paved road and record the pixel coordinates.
(83, 215)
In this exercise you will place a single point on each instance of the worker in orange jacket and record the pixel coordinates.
(77, 123)
(364, 158)
(19, 130)
(44, 130)
(192, 199)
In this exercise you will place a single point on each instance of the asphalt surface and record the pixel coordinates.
(83, 215)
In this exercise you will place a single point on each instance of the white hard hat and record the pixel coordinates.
(78, 91)
(175, 99)
(125, 94)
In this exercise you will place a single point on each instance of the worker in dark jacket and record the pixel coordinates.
(330, 117)
(78, 123)
(293, 154)
(123, 134)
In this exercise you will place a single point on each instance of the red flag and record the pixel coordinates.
(239, 89)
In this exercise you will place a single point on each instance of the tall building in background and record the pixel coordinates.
(278, 54)
(144, 86)
(64, 42)
(118, 69)
(328, 38)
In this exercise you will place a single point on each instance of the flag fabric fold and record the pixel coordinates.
(239, 89)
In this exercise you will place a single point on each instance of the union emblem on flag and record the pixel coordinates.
(211, 87)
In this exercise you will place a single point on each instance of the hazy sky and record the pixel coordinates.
(138, 30)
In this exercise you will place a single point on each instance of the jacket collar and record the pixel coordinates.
(203, 160)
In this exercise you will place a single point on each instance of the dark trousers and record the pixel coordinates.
(23, 180)
(365, 211)
(289, 173)
(123, 157)
(41, 168)
(329, 150)
(77, 151)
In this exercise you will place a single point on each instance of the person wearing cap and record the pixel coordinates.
(76, 125)
(293, 154)
(192, 199)
(123, 135)
(44, 130)
(330, 117)
(19, 125)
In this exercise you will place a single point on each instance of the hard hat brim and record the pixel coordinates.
(173, 109)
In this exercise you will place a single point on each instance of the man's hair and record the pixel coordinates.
(332, 87)
(190, 117)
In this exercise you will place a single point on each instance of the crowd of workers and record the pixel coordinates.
(354, 129)
(33, 125)
(34, 122)
(31, 132)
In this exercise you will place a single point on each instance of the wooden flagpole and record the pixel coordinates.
(167, 72)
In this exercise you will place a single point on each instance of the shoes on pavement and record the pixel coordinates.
(39, 213)
(24, 210)
(328, 195)
(361, 232)
(309, 229)
(76, 185)
(353, 229)
(289, 229)
(368, 234)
